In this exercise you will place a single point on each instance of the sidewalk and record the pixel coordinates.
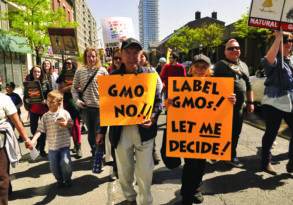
(223, 185)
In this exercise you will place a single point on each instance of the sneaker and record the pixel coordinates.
(98, 162)
(67, 183)
(43, 154)
(269, 169)
(156, 158)
(236, 163)
(78, 152)
(197, 198)
(83, 130)
(114, 176)
(289, 166)
(131, 203)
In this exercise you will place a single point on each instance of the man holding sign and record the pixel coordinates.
(133, 142)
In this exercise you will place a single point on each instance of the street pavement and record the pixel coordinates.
(222, 185)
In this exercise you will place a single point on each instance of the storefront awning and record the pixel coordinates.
(16, 44)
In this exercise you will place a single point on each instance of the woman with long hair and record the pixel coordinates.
(49, 74)
(86, 96)
(36, 110)
(65, 80)
(116, 60)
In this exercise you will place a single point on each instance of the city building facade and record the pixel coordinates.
(67, 6)
(87, 26)
(148, 22)
(15, 54)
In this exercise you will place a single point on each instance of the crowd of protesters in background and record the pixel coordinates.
(72, 96)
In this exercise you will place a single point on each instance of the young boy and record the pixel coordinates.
(16, 99)
(56, 123)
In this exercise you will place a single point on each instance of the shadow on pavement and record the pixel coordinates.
(249, 177)
(51, 190)
(38, 170)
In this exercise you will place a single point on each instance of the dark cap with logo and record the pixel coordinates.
(131, 42)
(202, 58)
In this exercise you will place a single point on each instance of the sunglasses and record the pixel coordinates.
(68, 63)
(233, 48)
(287, 40)
(117, 58)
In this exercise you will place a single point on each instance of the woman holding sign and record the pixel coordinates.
(278, 97)
(86, 96)
(65, 83)
(193, 169)
(36, 110)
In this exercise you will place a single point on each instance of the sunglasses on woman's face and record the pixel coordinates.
(68, 63)
(117, 58)
(287, 40)
(233, 48)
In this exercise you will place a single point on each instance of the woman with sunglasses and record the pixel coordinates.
(65, 82)
(231, 66)
(278, 97)
(116, 60)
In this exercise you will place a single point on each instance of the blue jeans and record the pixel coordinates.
(60, 164)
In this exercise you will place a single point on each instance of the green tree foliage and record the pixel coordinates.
(211, 36)
(185, 39)
(242, 30)
(32, 20)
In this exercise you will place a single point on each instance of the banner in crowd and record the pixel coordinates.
(199, 120)
(272, 14)
(115, 29)
(127, 99)
(68, 77)
(63, 41)
(33, 92)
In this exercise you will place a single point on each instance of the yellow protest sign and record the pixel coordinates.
(199, 121)
(126, 99)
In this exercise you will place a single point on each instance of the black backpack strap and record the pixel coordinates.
(89, 81)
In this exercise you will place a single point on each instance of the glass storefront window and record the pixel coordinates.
(17, 69)
(9, 73)
(2, 70)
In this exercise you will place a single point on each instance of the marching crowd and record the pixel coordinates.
(72, 97)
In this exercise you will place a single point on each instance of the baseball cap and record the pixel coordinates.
(201, 57)
(131, 42)
(162, 60)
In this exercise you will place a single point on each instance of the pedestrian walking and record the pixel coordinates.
(86, 96)
(231, 66)
(278, 97)
(194, 169)
(134, 143)
(36, 110)
(50, 74)
(65, 80)
(56, 123)
(144, 63)
(8, 140)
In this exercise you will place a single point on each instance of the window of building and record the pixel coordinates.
(17, 69)
(8, 65)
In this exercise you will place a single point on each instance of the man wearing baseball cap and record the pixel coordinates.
(134, 143)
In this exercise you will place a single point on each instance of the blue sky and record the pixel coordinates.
(172, 13)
